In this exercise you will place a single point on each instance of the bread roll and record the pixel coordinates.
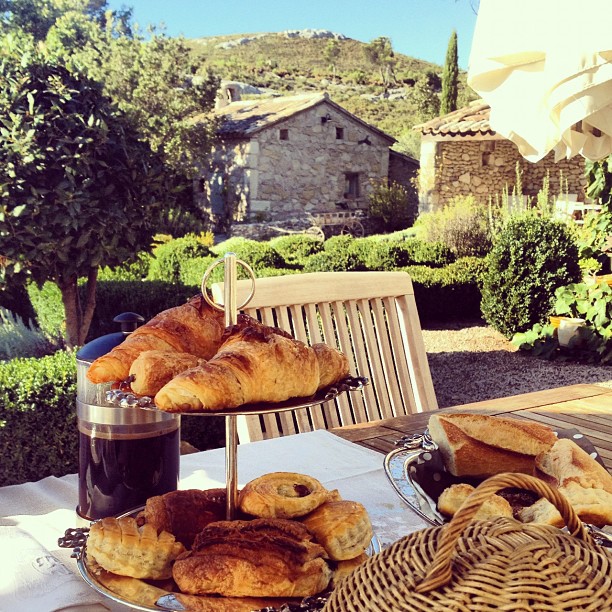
(258, 558)
(185, 513)
(253, 365)
(586, 484)
(479, 445)
(194, 327)
(151, 370)
(283, 495)
(343, 528)
(118, 545)
(452, 498)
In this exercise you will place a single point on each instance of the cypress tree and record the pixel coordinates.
(450, 77)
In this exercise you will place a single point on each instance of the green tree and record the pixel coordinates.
(379, 52)
(331, 53)
(78, 187)
(450, 77)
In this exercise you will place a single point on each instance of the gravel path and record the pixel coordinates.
(470, 362)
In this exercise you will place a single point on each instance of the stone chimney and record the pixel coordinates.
(227, 94)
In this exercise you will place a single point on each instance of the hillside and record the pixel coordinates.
(292, 62)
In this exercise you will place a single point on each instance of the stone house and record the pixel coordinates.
(279, 160)
(462, 155)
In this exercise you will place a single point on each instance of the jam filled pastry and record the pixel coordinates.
(118, 545)
(283, 495)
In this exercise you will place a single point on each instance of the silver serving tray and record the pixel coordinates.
(125, 399)
(407, 470)
(77, 539)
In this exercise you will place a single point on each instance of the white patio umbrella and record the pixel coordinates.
(545, 69)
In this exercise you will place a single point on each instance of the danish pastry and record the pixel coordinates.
(258, 558)
(184, 513)
(343, 528)
(347, 567)
(283, 495)
(118, 545)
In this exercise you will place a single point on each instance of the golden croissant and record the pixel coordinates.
(194, 327)
(254, 364)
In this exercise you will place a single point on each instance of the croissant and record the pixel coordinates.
(254, 364)
(151, 370)
(333, 365)
(194, 327)
(258, 558)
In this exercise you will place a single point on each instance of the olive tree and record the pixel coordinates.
(78, 188)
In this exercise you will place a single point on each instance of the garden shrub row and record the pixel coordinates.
(38, 423)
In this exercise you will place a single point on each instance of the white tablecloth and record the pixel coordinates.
(38, 576)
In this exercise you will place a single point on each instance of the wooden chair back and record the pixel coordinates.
(372, 318)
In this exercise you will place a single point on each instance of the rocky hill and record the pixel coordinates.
(295, 61)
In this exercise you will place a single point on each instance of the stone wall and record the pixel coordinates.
(293, 168)
(484, 167)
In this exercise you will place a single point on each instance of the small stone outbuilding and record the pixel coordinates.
(279, 160)
(462, 155)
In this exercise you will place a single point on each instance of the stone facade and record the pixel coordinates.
(321, 159)
(483, 167)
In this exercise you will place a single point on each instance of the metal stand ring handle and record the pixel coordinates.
(207, 276)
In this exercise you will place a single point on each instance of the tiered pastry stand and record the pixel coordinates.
(230, 308)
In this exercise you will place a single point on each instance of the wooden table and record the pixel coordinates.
(587, 408)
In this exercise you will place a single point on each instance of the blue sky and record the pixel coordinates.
(419, 28)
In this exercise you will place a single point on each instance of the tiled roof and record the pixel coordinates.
(244, 118)
(471, 120)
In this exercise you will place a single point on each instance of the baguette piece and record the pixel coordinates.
(452, 498)
(254, 364)
(481, 446)
(586, 484)
(194, 328)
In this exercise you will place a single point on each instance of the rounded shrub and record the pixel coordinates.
(256, 254)
(531, 258)
(340, 254)
(168, 257)
(296, 248)
(137, 269)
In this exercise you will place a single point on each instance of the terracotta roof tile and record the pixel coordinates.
(471, 120)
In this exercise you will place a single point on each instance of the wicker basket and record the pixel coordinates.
(494, 565)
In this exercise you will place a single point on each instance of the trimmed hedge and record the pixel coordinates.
(168, 257)
(450, 293)
(38, 432)
(257, 254)
(296, 248)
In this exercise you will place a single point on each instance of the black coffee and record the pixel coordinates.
(119, 472)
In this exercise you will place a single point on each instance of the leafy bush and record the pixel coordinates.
(38, 432)
(532, 257)
(449, 293)
(462, 225)
(19, 339)
(390, 205)
(256, 254)
(168, 257)
(590, 301)
(296, 248)
(138, 269)
(192, 271)
(340, 254)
